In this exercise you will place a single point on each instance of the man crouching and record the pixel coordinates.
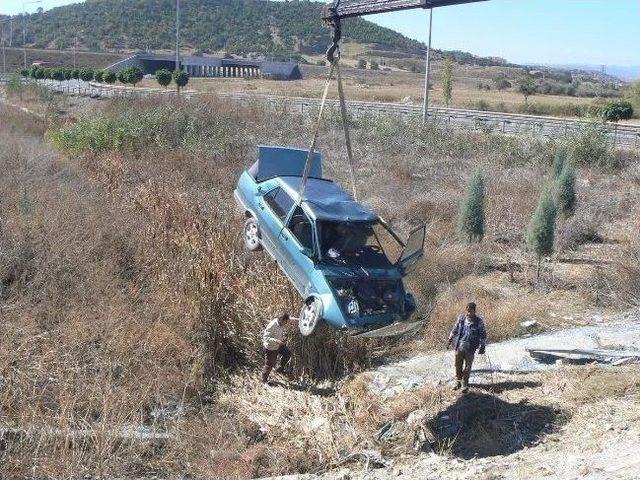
(468, 335)
(274, 347)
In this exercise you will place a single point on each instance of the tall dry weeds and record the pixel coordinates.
(127, 303)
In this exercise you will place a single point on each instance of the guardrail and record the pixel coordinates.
(507, 123)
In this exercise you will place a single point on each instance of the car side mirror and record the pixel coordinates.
(307, 252)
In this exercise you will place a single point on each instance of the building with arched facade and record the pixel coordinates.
(149, 63)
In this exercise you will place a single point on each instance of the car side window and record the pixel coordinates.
(301, 228)
(280, 202)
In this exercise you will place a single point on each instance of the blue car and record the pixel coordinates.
(334, 250)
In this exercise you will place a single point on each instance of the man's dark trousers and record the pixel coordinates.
(464, 362)
(271, 358)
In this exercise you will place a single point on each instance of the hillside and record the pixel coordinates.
(277, 29)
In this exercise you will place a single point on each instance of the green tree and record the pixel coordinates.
(362, 64)
(58, 74)
(616, 111)
(99, 76)
(542, 227)
(471, 217)
(75, 73)
(181, 78)
(527, 87)
(164, 77)
(135, 75)
(447, 81)
(123, 76)
(47, 72)
(40, 73)
(109, 77)
(24, 72)
(68, 73)
(86, 74)
(566, 190)
(374, 65)
(559, 160)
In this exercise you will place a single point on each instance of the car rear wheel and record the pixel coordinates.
(310, 316)
(252, 235)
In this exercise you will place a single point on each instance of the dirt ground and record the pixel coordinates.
(559, 422)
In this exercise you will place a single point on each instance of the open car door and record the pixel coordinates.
(413, 250)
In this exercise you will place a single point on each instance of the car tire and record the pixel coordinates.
(310, 316)
(251, 235)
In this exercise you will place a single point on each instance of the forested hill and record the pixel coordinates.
(277, 29)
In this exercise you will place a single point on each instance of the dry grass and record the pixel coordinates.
(124, 288)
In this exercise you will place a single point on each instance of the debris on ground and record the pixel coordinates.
(583, 356)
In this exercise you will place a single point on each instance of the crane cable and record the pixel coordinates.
(334, 57)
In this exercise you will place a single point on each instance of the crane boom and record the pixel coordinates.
(357, 8)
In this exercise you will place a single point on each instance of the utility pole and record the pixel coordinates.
(425, 107)
(24, 29)
(75, 46)
(177, 35)
(4, 53)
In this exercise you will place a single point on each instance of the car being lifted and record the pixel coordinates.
(331, 247)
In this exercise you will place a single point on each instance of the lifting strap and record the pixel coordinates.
(334, 66)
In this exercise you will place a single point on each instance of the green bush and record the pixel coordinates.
(163, 77)
(99, 76)
(616, 111)
(109, 77)
(181, 78)
(130, 75)
(86, 74)
(590, 146)
(186, 126)
(58, 74)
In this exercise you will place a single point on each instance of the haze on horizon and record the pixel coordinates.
(572, 32)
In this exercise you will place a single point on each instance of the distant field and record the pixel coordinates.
(62, 57)
(397, 86)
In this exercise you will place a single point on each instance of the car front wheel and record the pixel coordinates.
(252, 235)
(310, 316)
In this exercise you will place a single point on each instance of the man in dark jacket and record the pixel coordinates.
(467, 336)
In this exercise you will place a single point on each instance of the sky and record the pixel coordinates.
(595, 32)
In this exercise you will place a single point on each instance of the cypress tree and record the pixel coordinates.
(541, 229)
(471, 217)
(559, 161)
(566, 190)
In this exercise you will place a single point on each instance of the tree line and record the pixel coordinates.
(127, 75)
(278, 30)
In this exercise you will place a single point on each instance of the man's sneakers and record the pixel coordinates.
(465, 389)
(458, 386)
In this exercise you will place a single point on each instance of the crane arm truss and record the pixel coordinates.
(357, 8)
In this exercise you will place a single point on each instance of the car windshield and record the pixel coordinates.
(353, 243)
